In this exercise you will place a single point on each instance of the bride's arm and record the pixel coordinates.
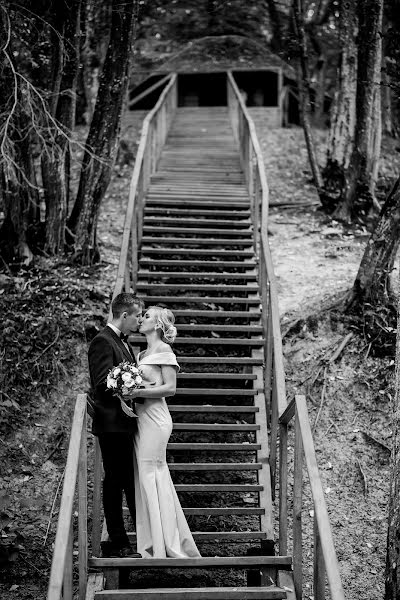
(167, 388)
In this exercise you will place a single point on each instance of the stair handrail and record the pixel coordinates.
(75, 477)
(325, 561)
(253, 167)
(152, 139)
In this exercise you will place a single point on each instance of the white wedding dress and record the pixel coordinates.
(161, 526)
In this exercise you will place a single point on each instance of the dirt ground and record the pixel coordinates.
(314, 260)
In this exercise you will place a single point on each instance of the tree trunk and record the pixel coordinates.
(372, 295)
(56, 162)
(341, 132)
(372, 284)
(358, 197)
(304, 91)
(97, 19)
(104, 133)
(278, 35)
(392, 575)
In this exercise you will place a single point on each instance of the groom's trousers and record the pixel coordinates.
(117, 454)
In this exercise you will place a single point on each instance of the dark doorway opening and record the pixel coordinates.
(259, 88)
(202, 89)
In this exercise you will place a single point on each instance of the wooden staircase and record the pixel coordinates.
(197, 258)
(195, 239)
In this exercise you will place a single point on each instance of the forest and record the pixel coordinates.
(68, 69)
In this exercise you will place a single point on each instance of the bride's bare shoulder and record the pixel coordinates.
(163, 347)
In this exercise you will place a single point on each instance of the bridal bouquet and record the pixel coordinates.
(121, 380)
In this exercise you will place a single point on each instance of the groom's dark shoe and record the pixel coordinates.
(112, 550)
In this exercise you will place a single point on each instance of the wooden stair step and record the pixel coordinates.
(138, 339)
(219, 314)
(198, 251)
(203, 562)
(205, 593)
(215, 466)
(196, 241)
(191, 275)
(188, 201)
(211, 447)
(198, 287)
(208, 408)
(197, 222)
(215, 392)
(198, 263)
(147, 229)
(218, 512)
(219, 360)
(202, 536)
(215, 427)
(201, 299)
(211, 375)
(216, 213)
(214, 327)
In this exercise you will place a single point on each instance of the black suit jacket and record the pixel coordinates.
(105, 352)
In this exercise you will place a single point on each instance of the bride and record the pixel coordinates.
(161, 526)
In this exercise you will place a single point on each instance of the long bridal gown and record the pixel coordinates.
(161, 526)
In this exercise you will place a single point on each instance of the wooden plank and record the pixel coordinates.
(283, 484)
(243, 223)
(297, 510)
(211, 409)
(288, 413)
(198, 252)
(200, 299)
(221, 233)
(218, 487)
(232, 562)
(215, 392)
(214, 466)
(61, 545)
(194, 275)
(321, 512)
(197, 287)
(211, 375)
(225, 447)
(95, 584)
(203, 341)
(319, 565)
(232, 214)
(82, 512)
(225, 264)
(217, 593)
(155, 239)
(219, 314)
(215, 427)
(218, 360)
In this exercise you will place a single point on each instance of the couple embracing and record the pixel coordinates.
(134, 449)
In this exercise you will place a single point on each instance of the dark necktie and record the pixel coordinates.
(124, 337)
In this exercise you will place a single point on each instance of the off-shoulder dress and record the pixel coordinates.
(161, 527)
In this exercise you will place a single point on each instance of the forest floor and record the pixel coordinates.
(349, 398)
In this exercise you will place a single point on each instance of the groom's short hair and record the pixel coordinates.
(125, 302)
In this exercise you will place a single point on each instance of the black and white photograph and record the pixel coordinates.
(199, 290)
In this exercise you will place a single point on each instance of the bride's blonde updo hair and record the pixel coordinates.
(165, 320)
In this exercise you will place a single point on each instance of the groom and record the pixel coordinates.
(112, 427)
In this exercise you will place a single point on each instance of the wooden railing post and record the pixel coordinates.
(68, 566)
(319, 565)
(82, 513)
(297, 509)
(283, 485)
(96, 510)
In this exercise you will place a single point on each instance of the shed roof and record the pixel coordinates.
(221, 53)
